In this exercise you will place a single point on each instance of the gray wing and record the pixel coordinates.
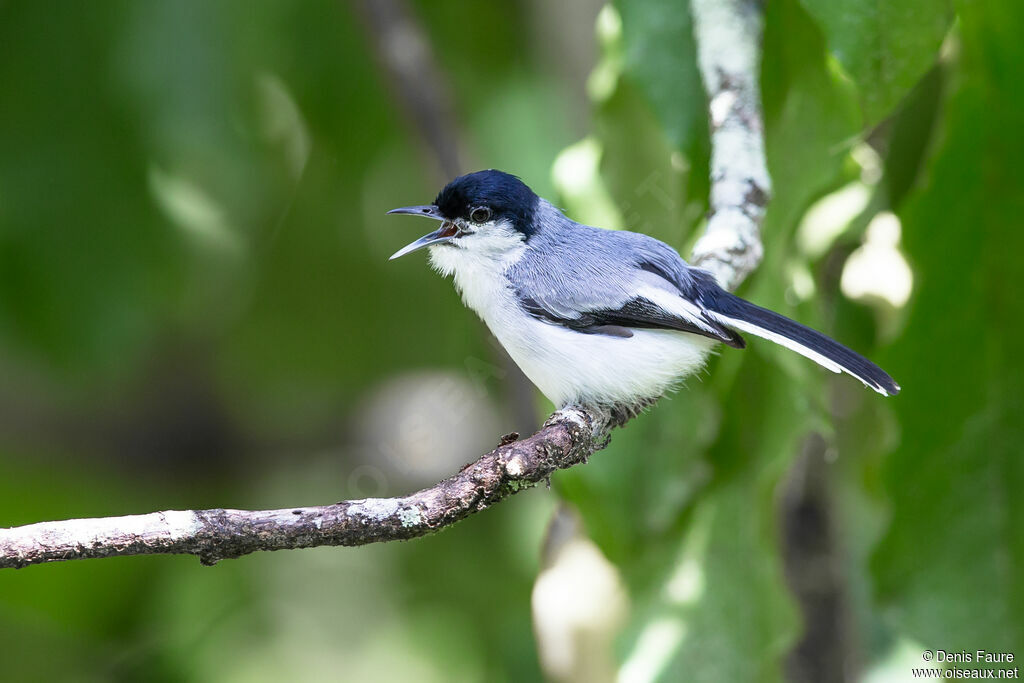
(598, 281)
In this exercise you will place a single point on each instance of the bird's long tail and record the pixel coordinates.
(743, 316)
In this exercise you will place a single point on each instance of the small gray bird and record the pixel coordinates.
(604, 318)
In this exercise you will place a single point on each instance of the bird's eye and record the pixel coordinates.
(480, 214)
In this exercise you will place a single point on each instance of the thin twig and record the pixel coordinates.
(407, 60)
(424, 97)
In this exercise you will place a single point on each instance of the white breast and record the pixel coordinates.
(568, 366)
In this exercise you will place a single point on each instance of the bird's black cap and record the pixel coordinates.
(504, 194)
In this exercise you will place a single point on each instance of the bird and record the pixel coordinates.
(606, 319)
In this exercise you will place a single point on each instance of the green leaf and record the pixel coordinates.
(884, 46)
(660, 454)
(949, 567)
(810, 117)
(724, 588)
(651, 118)
(913, 129)
(661, 58)
(658, 191)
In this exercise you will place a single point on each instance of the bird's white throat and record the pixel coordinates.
(478, 262)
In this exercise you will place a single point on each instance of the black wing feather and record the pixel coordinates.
(637, 313)
(720, 301)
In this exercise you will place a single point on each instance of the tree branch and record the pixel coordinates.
(568, 438)
(728, 36)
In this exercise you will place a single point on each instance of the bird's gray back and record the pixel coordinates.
(569, 268)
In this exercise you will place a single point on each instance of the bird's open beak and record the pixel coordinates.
(445, 233)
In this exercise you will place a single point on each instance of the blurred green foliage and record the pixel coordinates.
(196, 311)
(885, 47)
(957, 523)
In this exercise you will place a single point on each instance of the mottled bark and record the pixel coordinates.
(728, 34)
(568, 438)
